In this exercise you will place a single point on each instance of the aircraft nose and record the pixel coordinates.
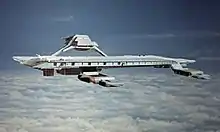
(18, 59)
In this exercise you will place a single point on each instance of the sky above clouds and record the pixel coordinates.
(171, 28)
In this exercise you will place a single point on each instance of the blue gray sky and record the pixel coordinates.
(172, 28)
(154, 100)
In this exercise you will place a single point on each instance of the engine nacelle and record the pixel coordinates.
(86, 78)
(102, 81)
(201, 76)
(109, 84)
(191, 73)
(182, 72)
(93, 79)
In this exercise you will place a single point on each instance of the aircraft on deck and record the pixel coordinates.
(88, 68)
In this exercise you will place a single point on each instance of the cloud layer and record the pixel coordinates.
(182, 34)
(148, 102)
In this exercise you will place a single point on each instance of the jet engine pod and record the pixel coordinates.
(102, 81)
(93, 79)
(201, 76)
(86, 78)
(182, 72)
(109, 84)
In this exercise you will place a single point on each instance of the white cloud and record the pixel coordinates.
(148, 102)
(63, 18)
(209, 58)
(153, 36)
(195, 34)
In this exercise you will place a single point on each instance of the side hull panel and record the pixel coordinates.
(48, 72)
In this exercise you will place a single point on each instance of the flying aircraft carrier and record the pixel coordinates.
(88, 68)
